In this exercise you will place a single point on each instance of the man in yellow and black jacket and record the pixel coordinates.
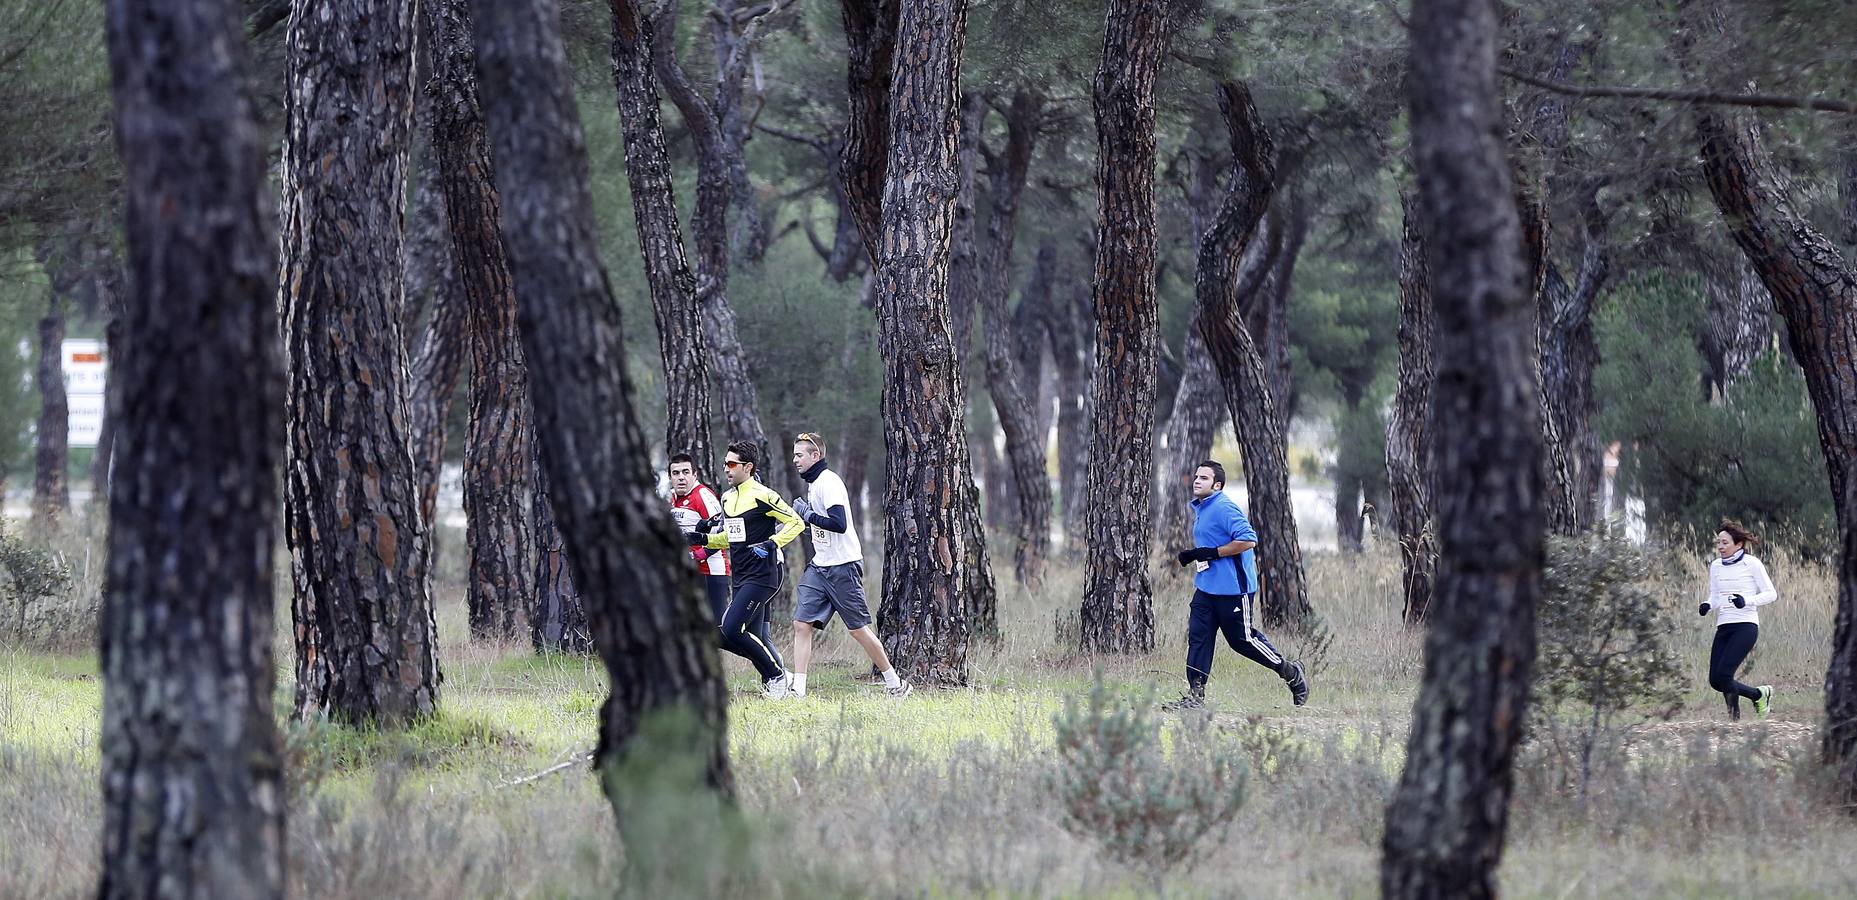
(755, 524)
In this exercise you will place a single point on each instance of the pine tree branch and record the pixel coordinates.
(1770, 101)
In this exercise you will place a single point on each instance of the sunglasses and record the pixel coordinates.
(730, 464)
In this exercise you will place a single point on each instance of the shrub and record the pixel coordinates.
(30, 578)
(1605, 644)
(1117, 783)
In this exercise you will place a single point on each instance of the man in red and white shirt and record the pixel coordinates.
(692, 503)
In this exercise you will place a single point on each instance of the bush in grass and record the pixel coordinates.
(1605, 646)
(1118, 783)
(32, 579)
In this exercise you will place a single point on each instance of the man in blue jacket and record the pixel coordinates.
(1225, 595)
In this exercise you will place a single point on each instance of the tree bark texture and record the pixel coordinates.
(732, 24)
(709, 229)
(1557, 462)
(1248, 392)
(51, 486)
(870, 36)
(1118, 601)
(1186, 440)
(1740, 322)
(654, 632)
(1569, 354)
(1012, 392)
(1815, 290)
(557, 617)
(1411, 468)
(1446, 823)
(928, 502)
(191, 759)
(365, 635)
(964, 283)
(497, 467)
(682, 342)
(439, 353)
(1067, 325)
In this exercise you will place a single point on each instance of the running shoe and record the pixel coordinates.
(1189, 700)
(777, 688)
(902, 689)
(1299, 686)
(1763, 702)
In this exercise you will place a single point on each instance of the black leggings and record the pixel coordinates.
(719, 590)
(1733, 642)
(746, 605)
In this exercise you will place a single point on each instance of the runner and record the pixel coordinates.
(756, 523)
(1738, 584)
(1225, 591)
(693, 503)
(834, 580)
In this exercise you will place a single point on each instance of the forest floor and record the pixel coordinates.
(952, 792)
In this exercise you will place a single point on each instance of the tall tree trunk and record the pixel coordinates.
(731, 27)
(497, 464)
(557, 617)
(109, 288)
(366, 639)
(964, 283)
(51, 487)
(1268, 316)
(1067, 324)
(653, 630)
(1569, 354)
(1411, 470)
(1349, 538)
(682, 341)
(870, 37)
(1248, 392)
(1006, 380)
(1118, 601)
(1186, 440)
(1815, 291)
(709, 229)
(1446, 822)
(1739, 326)
(438, 355)
(192, 768)
(925, 617)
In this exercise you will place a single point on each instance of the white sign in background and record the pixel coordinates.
(85, 368)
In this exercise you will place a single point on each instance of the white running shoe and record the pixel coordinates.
(902, 689)
(777, 688)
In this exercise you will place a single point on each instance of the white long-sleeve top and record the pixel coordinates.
(1741, 574)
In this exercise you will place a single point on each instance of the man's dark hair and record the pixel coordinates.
(1218, 471)
(744, 451)
(682, 457)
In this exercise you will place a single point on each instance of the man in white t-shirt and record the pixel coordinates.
(834, 580)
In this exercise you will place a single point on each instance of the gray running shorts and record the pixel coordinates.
(828, 589)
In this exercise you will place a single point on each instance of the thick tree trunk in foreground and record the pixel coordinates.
(1815, 290)
(1013, 393)
(364, 627)
(682, 341)
(192, 769)
(497, 466)
(1411, 470)
(1446, 823)
(1248, 392)
(1118, 601)
(653, 631)
(925, 614)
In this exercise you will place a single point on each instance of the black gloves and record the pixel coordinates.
(1197, 554)
(1703, 610)
(1739, 601)
(695, 538)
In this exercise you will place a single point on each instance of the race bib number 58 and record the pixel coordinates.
(737, 530)
(1201, 565)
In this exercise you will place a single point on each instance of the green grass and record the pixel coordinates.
(851, 793)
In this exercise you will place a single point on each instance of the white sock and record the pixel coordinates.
(799, 682)
(890, 679)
